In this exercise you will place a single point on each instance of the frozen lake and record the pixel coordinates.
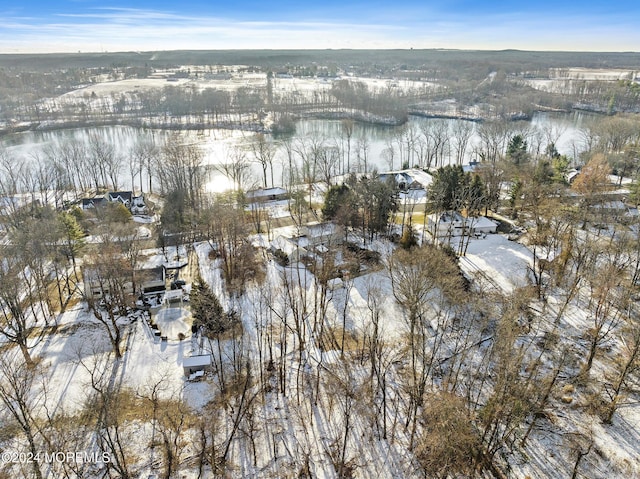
(369, 145)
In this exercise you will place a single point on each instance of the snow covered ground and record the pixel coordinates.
(298, 430)
(571, 80)
(497, 260)
(236, 81)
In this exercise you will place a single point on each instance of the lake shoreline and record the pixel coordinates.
(179, 123)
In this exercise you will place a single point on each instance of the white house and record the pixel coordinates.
(453, 223)
(316, 234)
(267, 194)
(447, 224)
(483, 225)
(411, 179)
(138, 206)
(314, 238)
(134, 203)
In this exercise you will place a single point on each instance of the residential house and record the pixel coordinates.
(289, 247)
(452, 223)
(321, 233)
(95, 202)
(138, 205)
(411, 179)
(123, 197)
(266, 194)
(152, 280)
(314, 238)
(96, 287)
(135, 204)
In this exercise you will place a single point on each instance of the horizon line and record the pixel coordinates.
(382, 49)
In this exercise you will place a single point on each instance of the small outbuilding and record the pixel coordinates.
(196, 364)
(314, 238)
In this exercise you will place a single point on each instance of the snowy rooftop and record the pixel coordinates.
(483, 222)
(410, 175)
(197, 361)
(285, 244)
(448, 217)
(317, 229)
(266, 193)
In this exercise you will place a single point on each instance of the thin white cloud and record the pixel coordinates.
(144, 18)
(117, 29)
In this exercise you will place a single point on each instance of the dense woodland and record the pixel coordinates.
(414, 367)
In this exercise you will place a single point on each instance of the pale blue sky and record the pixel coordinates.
(99, 25)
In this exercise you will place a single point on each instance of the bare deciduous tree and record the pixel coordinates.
(19, 394)
(264, 151)
(462, 132)
(449, 444)
(144, 157)
(108, 278)
(236, 169)
(627, 364)
(417, 276)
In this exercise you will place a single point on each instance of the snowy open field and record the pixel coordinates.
(572, 80)
(236, 81)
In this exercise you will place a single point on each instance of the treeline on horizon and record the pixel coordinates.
(511, 61)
